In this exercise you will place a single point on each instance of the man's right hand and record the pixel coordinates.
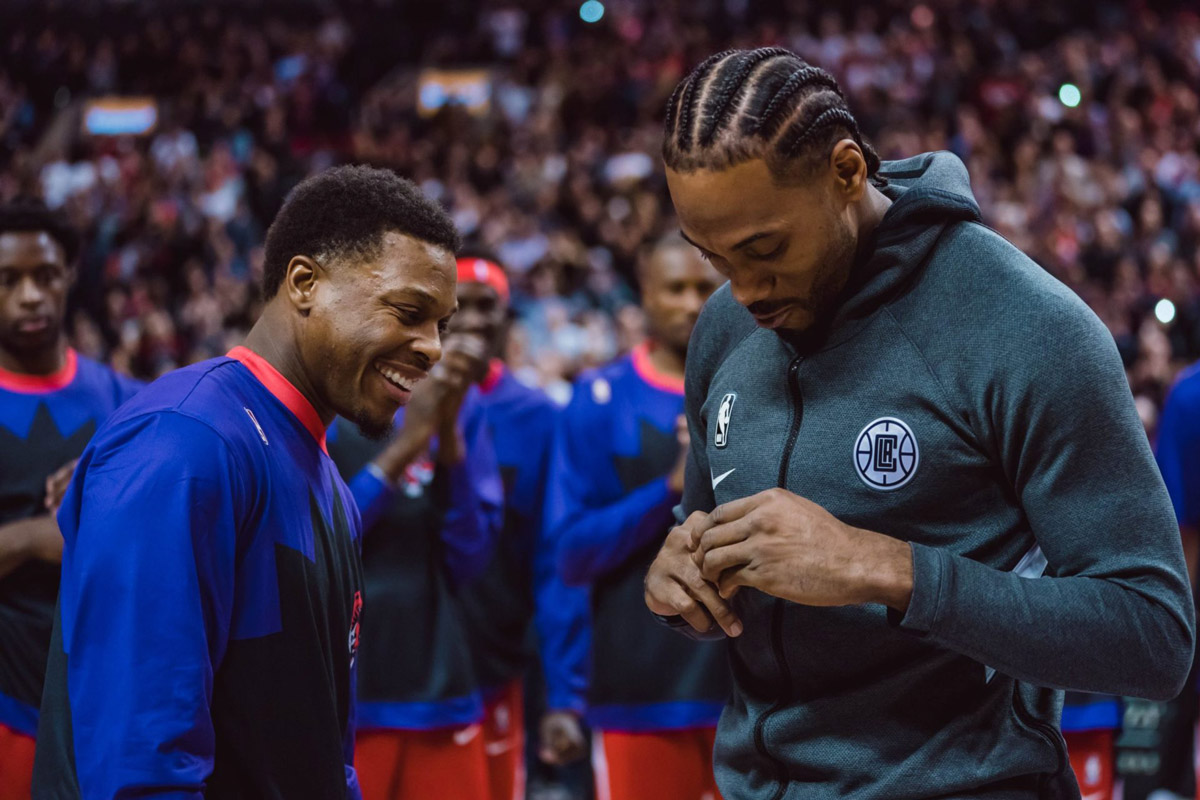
(675, 587)
(561, 738)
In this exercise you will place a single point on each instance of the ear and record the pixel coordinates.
(300, 282)
(849, 167)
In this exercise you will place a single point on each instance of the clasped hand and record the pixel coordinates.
(781, 544)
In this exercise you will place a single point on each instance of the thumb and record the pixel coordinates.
(730, 582)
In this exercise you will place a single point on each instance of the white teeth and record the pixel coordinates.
(395, 378)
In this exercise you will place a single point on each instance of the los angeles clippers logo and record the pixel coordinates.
(885, 454)
(724, 415)
(355, 623)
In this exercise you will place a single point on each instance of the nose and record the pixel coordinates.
(694, 301)
(29, 294)
(429, 345)
(749, 289)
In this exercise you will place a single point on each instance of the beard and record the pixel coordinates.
(377, 430)
(824, 298)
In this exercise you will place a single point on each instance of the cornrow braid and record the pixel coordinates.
(686, 102)
(672, 104)
(833, 116)
(721, 98)
(770, 120)
(766, 103)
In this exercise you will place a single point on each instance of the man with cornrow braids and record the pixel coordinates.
(918, 499)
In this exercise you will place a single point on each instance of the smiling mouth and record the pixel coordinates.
(404, 383)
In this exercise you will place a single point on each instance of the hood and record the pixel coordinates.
(929, 193)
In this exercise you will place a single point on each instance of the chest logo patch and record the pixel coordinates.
(885, 454)
(724, 414)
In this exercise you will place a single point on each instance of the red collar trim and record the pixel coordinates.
(41, 384)
(283, 390)
(494, 374)
(646, 370)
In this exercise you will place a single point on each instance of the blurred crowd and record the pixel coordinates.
(1079, 123)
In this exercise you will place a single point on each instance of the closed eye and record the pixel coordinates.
(775, 253)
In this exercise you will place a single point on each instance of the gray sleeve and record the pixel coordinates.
(1114, 613)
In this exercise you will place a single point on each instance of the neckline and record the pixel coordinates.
(42, 384)
(492, 379)
(646, 370)
(284, 391)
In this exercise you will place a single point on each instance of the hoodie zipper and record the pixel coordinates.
(1047, 731)
(780, 769)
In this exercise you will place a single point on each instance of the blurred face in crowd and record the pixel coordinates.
(373, 329)
(34, 280)
(786, 248)
(675, 283)
(483, 313)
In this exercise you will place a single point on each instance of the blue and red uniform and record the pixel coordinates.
(520, 585)
(211, 596)
(653, 698)
(419, 704)
(45, 422)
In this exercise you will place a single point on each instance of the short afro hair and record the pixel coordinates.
(27, 215)
(345, 212)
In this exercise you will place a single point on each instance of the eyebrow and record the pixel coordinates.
(749, 240)
(425, 298)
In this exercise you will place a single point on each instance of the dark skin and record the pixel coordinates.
(34, 281)
(482, 312)
(331, 330)
(434, 408)
(787, 249)
(675, 284)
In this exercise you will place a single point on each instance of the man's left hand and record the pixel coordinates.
(790, 547)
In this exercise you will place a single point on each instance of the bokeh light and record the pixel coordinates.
(1069, 95)
(591, 11)
(1164, 310)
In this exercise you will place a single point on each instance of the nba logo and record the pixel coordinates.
(885, 454)
(721, 437)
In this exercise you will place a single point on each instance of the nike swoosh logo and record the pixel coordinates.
(464, 737)
(722, 477)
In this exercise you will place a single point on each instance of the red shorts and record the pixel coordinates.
(16, 764)
(504, 743)
(401, 765)
(654, 766)
(1093, 758)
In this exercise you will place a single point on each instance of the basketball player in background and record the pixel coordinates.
(654, 698)
(520, 585)
(51, 401)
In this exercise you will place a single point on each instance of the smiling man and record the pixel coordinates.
(211, 588)
(918, 497)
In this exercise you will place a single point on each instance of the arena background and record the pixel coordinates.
(538, 125)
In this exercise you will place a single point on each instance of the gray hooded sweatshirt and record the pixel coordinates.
(967, 402)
